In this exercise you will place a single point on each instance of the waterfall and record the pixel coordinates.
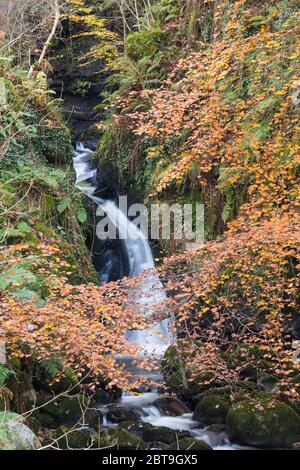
(149, 292)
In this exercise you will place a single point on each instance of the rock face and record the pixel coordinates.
(189, 443)
(263, 422)
(211, 409)
(15, 435)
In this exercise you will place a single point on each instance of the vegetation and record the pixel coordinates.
(222, 129)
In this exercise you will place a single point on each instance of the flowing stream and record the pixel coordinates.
(153, 341)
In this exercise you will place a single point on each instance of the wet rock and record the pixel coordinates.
(263, 422)
(106, 397)
(163, 434)
(121, 439)
(15, 435)
(216, 428)
(211, 409)
(171, 406)
(93, 418)
(137, 427)
(116, 414)
(189, 443)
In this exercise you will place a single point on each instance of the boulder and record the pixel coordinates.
(171, 406)
(163, 434)
(189, 443)
(15, 435)
(211, 409)
(263, 422)
(137, 427)
(68, 438)
(120, 439)
(116, 414)
(93, 418)
(104, 397)
(58, 411)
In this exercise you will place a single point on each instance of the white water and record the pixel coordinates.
(149, 293)
(185, 422)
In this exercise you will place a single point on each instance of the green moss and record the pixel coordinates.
(67, 438)
(263, 422)
(211, 409)
(189, 443)
(63, 410)
(144, 44)
(121, 439)
(14, 434)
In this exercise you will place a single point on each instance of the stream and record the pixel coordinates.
(154, 341)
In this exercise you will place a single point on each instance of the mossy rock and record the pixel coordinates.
(189, 443)
(137, 427)
(48, 375)
(121, 439)
(62, 410)
(263, 422)
(144, 44)
(212, 409)
(116, 414)
(66, 438)
(15, 435)
(163, 434)
(171, 406)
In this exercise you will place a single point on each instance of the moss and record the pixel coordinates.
(14, 434)
(137, 427)
(211, 409)
(63, 410)
(189, 443)
(162, 434)
(67, 438)
(49, 375)
(121, 439)
(144, 44)
(263, 422)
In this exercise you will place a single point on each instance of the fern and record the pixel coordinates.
(4, 374)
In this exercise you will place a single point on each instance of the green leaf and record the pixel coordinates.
(23, 227)
(63, 205)
(4, 374)
(81, 215)
(16, 275)
(24, 294)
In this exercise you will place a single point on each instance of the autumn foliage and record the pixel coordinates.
(226, 120)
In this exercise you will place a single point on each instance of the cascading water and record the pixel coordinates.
(155, 340)
(150, 293)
